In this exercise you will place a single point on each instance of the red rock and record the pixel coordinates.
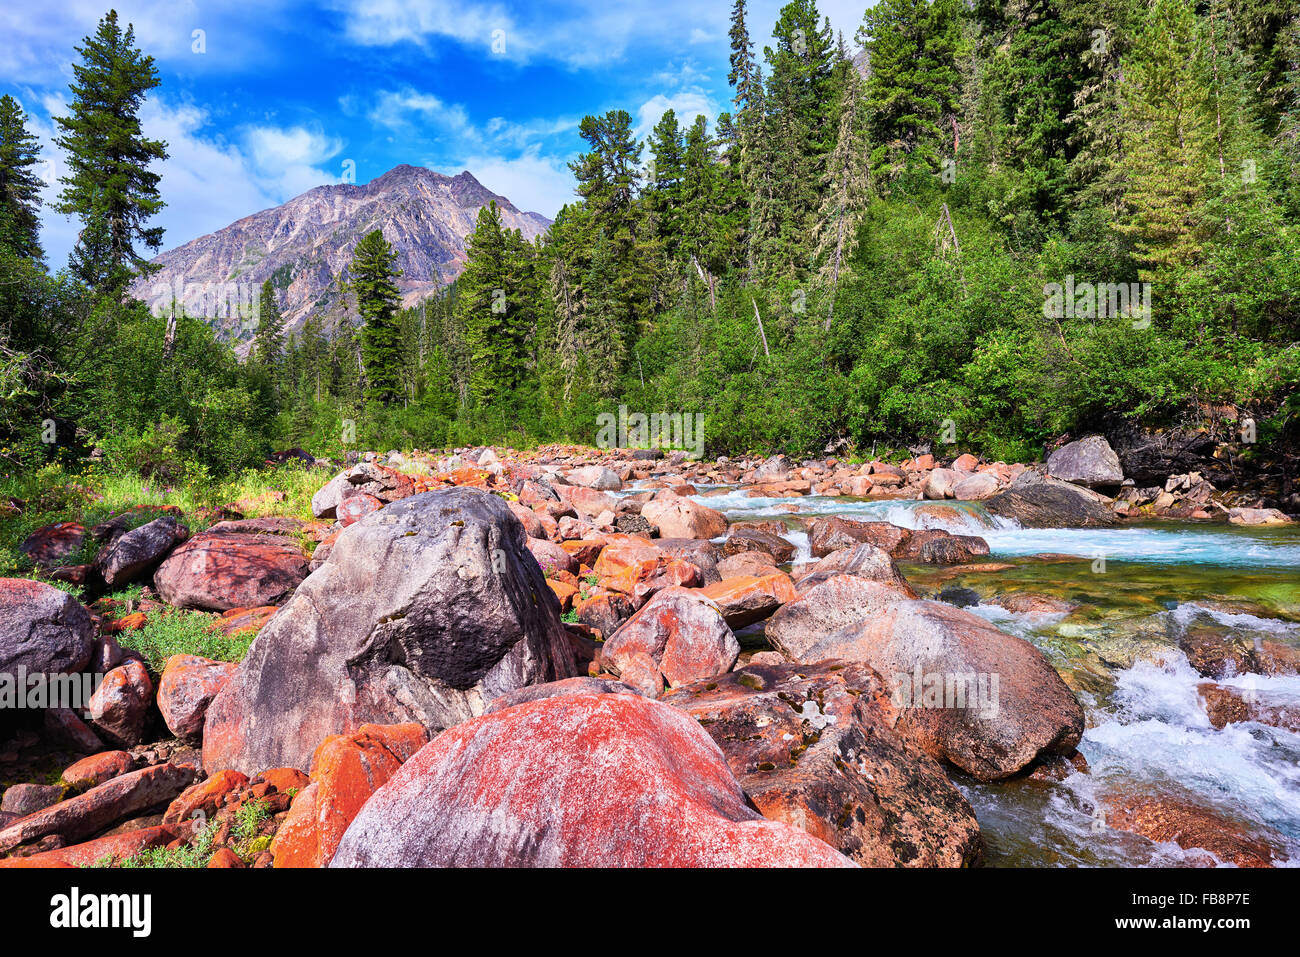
(98, 768)
(354, 509)
(186, 688)
(222, 568)
(552, 557)
(132, 622)
(63, 727)
(203, 800)
(225, 858)
(100, 807)
(682, 518)
(297, 841)
(283, 780)
(586, 780)
(746, 538)
(814, 746)
(746, 565)
(23, 799)
(528, 519)
(119, 708)
(586, 502)
(860, 561)
(52, 545)
(114, 847)
(641, 673)
(965, 463)
(831, 534)
(239, 621)
(604, 611)
(1227, 705)
(345, 771)
(682, 631)
(1167, 819)
(744, 601)
(968, 693)
(584, 552)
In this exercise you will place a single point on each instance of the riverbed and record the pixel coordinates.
(1133, 590)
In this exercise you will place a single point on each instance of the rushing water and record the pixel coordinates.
(1134, 589)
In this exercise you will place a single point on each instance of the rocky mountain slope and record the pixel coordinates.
(305, 247)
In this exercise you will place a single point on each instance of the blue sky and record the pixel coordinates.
(285, 96)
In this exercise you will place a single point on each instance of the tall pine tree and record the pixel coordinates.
(19, 185)
(110, 186)
(373, 280)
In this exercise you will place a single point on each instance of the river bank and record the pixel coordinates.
(1145, 703)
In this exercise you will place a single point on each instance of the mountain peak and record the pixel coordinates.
(305, 246)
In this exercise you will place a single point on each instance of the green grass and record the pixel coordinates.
(172, 632)
(91, 496)
(252, 814)
(193, 855)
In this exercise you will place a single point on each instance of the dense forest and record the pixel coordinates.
(983, 224)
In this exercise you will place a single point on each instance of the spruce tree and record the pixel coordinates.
(110, 186)
(485, 301)
(373, 280)
(846, 187)
(19, 185)
(1167, 139)
(268, 343)
(914, 82)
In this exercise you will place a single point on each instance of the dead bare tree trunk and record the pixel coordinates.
(760, 326)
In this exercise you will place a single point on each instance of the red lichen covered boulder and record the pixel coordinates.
(598, 780)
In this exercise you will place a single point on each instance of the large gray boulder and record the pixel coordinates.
(42, 629)
(131, 555)
(1037, 501)
(425, 611)
(966, 692)
(1089, 462)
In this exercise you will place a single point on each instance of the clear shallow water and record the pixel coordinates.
(1147, 730)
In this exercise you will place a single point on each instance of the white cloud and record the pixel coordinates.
(39, 42)
(576, 33)
(686, 105)
(396, 110)
(207, 182)
(533, 182)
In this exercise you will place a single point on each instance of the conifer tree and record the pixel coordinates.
(1167, 137)
(268, 342)
(914, 82)
(19, 185)
(110, 186)
(373, 280)
(847, 183)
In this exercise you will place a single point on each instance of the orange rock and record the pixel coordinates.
(115, 846)
(297, 842)
(563, 591)
(224, 858)
(584, 550)
(132, 622)
(471, 477)
(98, 768)
(345, 771)
(283, 780)
(205, 797)
(747, 599)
